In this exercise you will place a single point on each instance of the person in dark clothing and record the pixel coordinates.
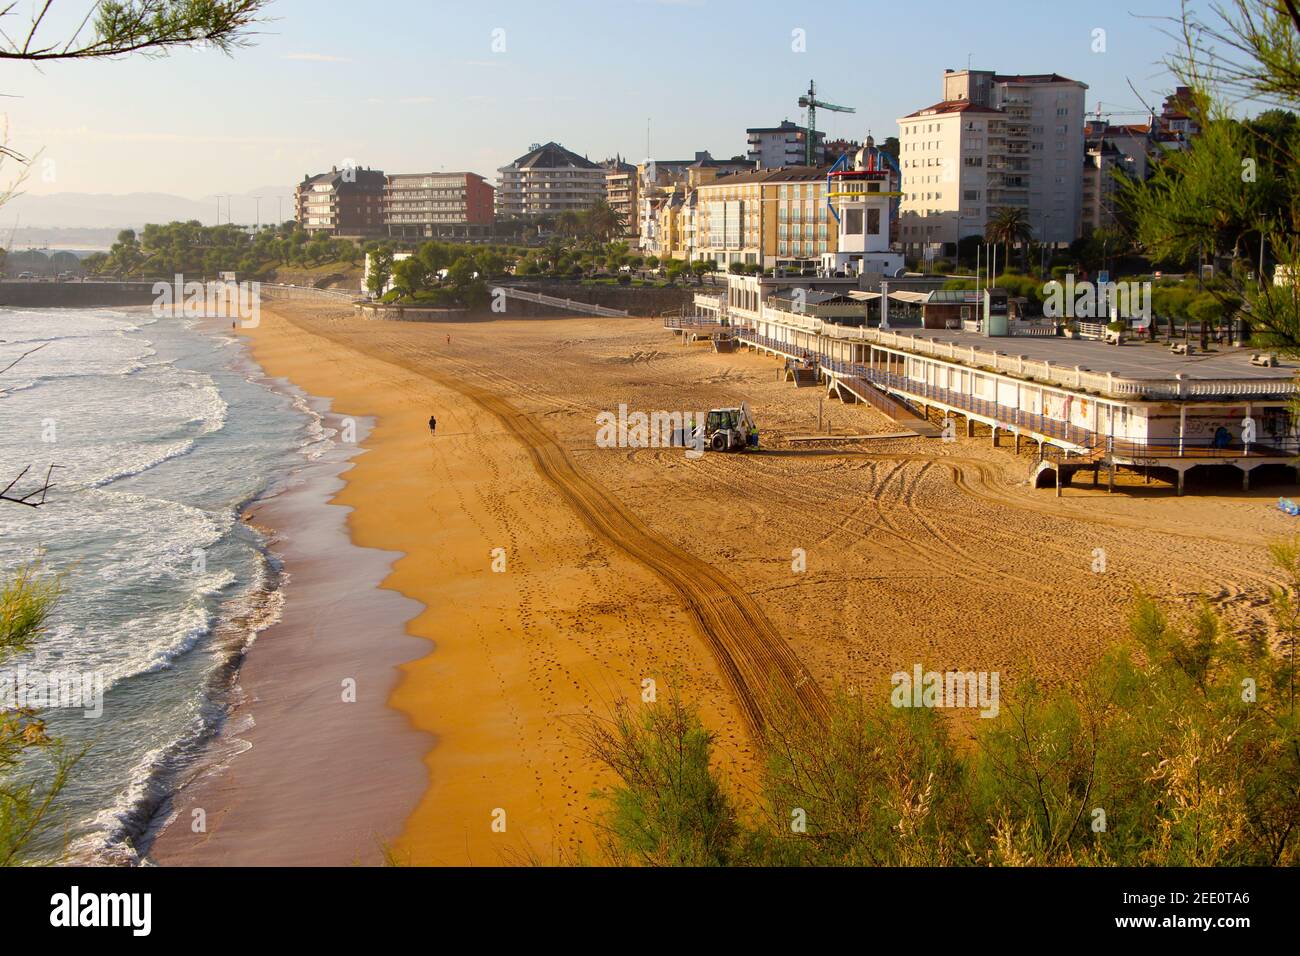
(433, 423)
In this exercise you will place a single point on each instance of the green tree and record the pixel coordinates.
(117, 27)
(381, 271)
(669, 808)
(27, 598)
(601, 222)
(1233, 196)
(410, 276)
(1010, 226)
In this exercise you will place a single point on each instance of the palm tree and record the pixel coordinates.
(603, 222)
(569, 224)
(1010, 226)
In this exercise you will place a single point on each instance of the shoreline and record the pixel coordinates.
(264, 771)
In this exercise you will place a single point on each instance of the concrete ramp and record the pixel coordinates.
(883, 402)
(802, 377)
(566, 305)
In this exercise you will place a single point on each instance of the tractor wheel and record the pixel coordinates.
(719, 442)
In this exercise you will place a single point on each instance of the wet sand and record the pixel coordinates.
(313, 763)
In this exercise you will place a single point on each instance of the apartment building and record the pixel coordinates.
(622, 184)
(663, 187)
(772, 147)
(994, 141)
(438, 206)
(347, 203)
(776, 218)
(1100, 187)
(548, 180)
(836, 148)
(1178, 115)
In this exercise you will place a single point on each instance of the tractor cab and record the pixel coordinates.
(730, 429)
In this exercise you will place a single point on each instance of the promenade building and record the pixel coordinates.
(1075, 405)
(347, 203)
(994, 141)
(438, 206)
(548, 180)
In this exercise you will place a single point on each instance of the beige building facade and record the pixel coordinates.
(994, 141)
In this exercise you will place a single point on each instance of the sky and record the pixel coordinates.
(408, 86)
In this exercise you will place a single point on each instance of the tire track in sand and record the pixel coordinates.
(756, 663)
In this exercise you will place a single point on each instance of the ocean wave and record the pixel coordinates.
(167, 639)
(151, 456)
(122, 832)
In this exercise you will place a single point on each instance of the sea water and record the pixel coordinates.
(161, 431)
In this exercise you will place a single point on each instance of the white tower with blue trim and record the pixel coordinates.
(858, 190)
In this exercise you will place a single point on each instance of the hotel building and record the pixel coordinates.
(778, 219)
(666, 198)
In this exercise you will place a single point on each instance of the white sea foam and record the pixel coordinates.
(160, 439)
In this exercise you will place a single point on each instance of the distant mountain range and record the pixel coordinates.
(132, 210)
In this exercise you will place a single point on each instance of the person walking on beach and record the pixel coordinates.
(433, 423)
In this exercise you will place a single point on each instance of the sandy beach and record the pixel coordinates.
(548, 577)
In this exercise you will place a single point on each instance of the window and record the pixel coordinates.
(853, 222)
(873, 222)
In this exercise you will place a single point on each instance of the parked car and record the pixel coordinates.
(24, 275)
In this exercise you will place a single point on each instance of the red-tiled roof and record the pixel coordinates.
(952, 106)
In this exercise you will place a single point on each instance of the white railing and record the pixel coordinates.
(310, 292)
(1065, 376)
(569, 304)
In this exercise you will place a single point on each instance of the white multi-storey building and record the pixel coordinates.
(774, 147)
(994, 141)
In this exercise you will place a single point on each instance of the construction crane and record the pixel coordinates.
(1099, 113)
(810, 102)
